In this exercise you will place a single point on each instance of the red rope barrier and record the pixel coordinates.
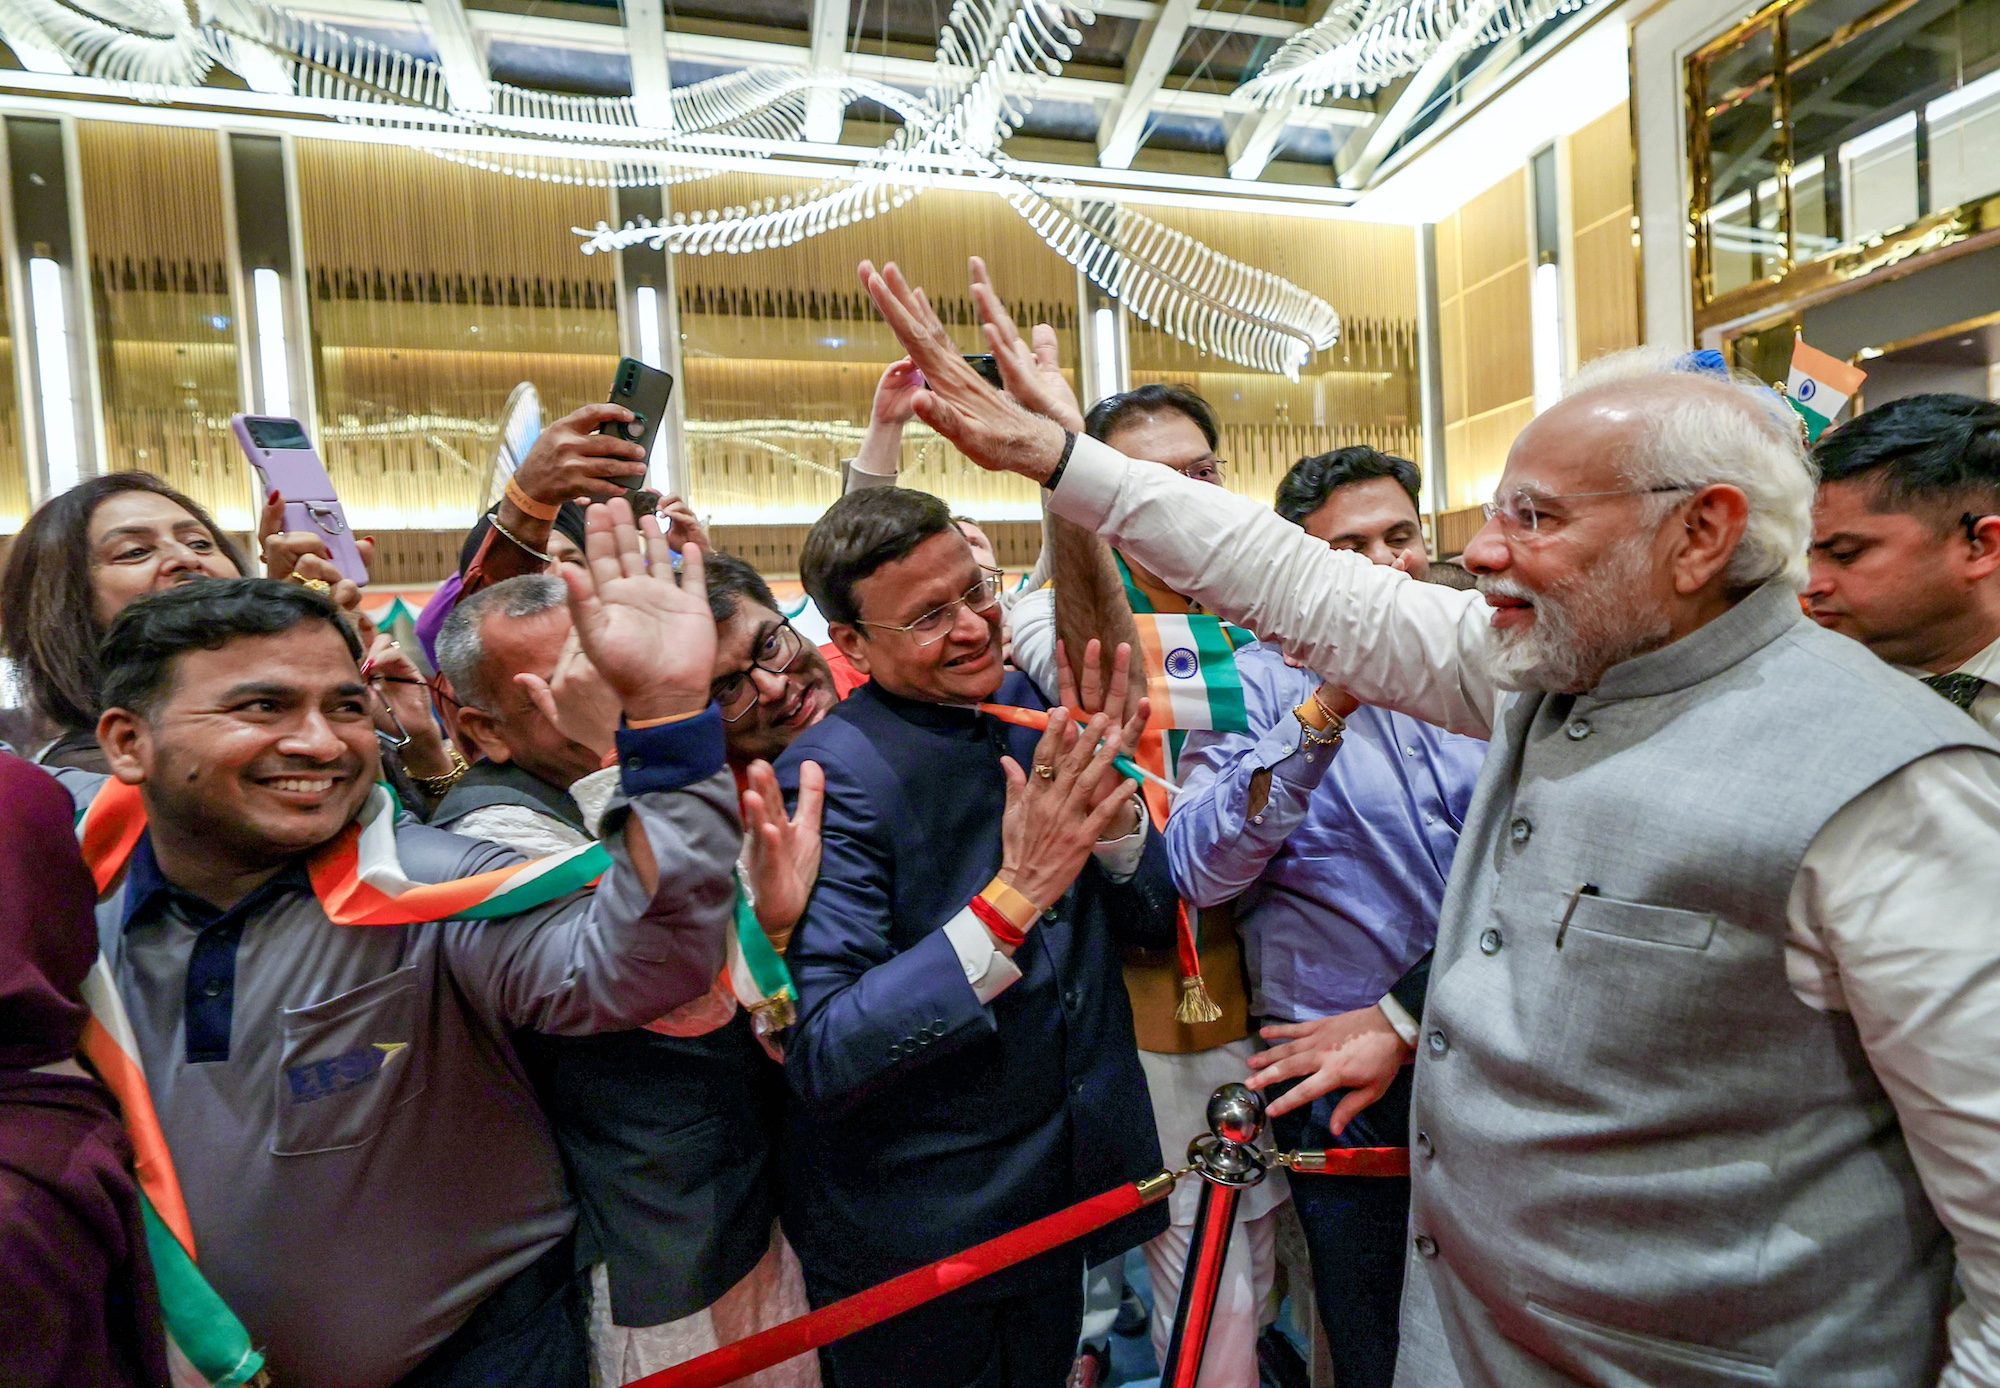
(900, 1294)
(1353, 1161)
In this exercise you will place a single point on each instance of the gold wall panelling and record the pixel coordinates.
(1499, 364)
(1600, 169)
(781, 349)
(1451, 351)
(1476, 454)
(1455, 530)
(1605, 308)
(1493, 231)
(454, 287)
(1600, 254)
(165, 309)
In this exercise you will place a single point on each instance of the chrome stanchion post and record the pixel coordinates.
(1229, 1163)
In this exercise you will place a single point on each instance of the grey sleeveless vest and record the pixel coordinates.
(1640, 1159)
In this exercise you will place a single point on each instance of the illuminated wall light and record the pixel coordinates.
(273, 358)
(58, 403)
(1545, 310)
(647, 307)
(1104, 354)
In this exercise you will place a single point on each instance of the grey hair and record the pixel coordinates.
(1704, 429)
(461, 644)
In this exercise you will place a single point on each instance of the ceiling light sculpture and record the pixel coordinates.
(1360, 46)
(991, 57)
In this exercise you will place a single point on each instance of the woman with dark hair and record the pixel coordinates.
(81, 558)
(90, 552)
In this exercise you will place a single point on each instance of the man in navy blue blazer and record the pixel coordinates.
(963, 1059)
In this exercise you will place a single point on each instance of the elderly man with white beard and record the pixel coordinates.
(1706, 1071)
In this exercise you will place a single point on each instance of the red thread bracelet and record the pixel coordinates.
(997, 925)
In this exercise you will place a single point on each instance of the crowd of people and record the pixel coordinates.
(620, 971)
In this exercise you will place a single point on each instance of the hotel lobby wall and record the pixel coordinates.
(430, 289)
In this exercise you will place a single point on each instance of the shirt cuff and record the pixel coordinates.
(1283, 751)
(671, 756)
(990, 972)
(1120, 857)
(1400, 1019)
(593, 794)
(1089, 484)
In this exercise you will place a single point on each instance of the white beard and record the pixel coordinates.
(1583, 626)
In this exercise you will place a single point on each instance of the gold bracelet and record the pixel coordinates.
(436, 786)
(1011, 903)
(527, 505)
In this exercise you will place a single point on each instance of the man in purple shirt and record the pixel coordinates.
(1332, 826)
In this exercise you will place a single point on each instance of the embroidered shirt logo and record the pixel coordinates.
(320, 1079)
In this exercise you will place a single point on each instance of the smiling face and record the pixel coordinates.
(1376, 518)
(786, 704)
(1587, 588)
(513, 728)
(260, 750)
(140, 542)
(963, 665)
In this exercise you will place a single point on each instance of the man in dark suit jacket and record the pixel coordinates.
(963, 1060)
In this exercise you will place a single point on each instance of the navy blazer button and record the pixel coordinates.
(212, 988)
(1076, 1086)
(1070, 999)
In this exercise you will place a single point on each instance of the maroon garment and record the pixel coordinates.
(79, 1305)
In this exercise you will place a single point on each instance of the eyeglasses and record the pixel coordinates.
(1207, 470)
(931, 628)
(1518, 512)
(774, 655)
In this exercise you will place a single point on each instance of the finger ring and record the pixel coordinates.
(318, 585)
(1046, 770)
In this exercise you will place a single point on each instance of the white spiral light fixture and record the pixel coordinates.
(991, 57)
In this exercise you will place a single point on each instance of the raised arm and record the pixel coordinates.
(651, 936)
(1419, 648)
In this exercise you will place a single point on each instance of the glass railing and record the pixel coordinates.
(1824, 125)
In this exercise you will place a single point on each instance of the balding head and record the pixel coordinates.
(1685, 428)
(1638, 508)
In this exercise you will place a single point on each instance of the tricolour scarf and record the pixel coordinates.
(359, 880)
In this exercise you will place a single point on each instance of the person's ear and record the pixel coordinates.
(483, 736)
(1984, 560)
(127, 744)
(1713, 521)
(849, 641)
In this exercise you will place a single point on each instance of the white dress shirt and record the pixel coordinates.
(1895, 914)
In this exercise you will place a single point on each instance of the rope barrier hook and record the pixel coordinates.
(1229, 1162)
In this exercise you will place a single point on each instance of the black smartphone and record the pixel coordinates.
(988, 369)
(644, 391)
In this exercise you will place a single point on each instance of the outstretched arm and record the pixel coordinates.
(1415, 647)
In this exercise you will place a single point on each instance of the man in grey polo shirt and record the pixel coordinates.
(370, 1184)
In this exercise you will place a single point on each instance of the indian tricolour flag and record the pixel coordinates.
(1820, 387)
(1191, 672)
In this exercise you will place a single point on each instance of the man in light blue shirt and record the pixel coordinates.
(1332, 826)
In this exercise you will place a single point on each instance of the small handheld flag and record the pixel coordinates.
(1819, 387)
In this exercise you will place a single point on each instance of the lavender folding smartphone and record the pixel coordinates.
(285, 461)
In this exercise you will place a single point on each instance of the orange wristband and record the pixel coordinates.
(662, 722)
(527, 505)
(1010, 903)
